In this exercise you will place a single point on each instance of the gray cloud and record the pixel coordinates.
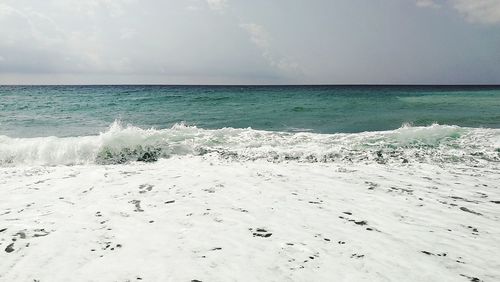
(221, 41)
(36, 41)
(98, 36)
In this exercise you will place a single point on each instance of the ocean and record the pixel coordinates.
(107, 124)
(35, 111)
(249, 183)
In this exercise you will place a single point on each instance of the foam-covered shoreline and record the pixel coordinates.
(121, 144)
(191, 204)
(210, 219)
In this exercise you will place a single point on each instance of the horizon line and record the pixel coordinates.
(247, 85)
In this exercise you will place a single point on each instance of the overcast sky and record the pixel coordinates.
(249, 42)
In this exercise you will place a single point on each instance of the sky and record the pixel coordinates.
(250, 42)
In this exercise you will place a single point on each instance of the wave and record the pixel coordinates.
(122, 144)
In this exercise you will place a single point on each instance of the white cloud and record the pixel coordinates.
(479, 11)
(427, 4)
(261, 38)
(257, 34)
(475, 11)
(25, 25)
(218, 5)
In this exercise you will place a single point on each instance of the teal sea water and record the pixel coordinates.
(32, 111)
(116, 124)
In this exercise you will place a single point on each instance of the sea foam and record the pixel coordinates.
(121, 144)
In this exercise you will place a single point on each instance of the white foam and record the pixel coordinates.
(201, 218)
(435, 143)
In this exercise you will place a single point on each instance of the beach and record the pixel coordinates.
(209, 219)
(306, 183)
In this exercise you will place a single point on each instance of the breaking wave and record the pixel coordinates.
(122, 144)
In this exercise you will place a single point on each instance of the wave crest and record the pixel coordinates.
(121, 144)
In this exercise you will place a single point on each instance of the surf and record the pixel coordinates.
(127, 143)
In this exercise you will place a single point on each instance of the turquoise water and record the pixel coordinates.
(53, 125)
(32, 111)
